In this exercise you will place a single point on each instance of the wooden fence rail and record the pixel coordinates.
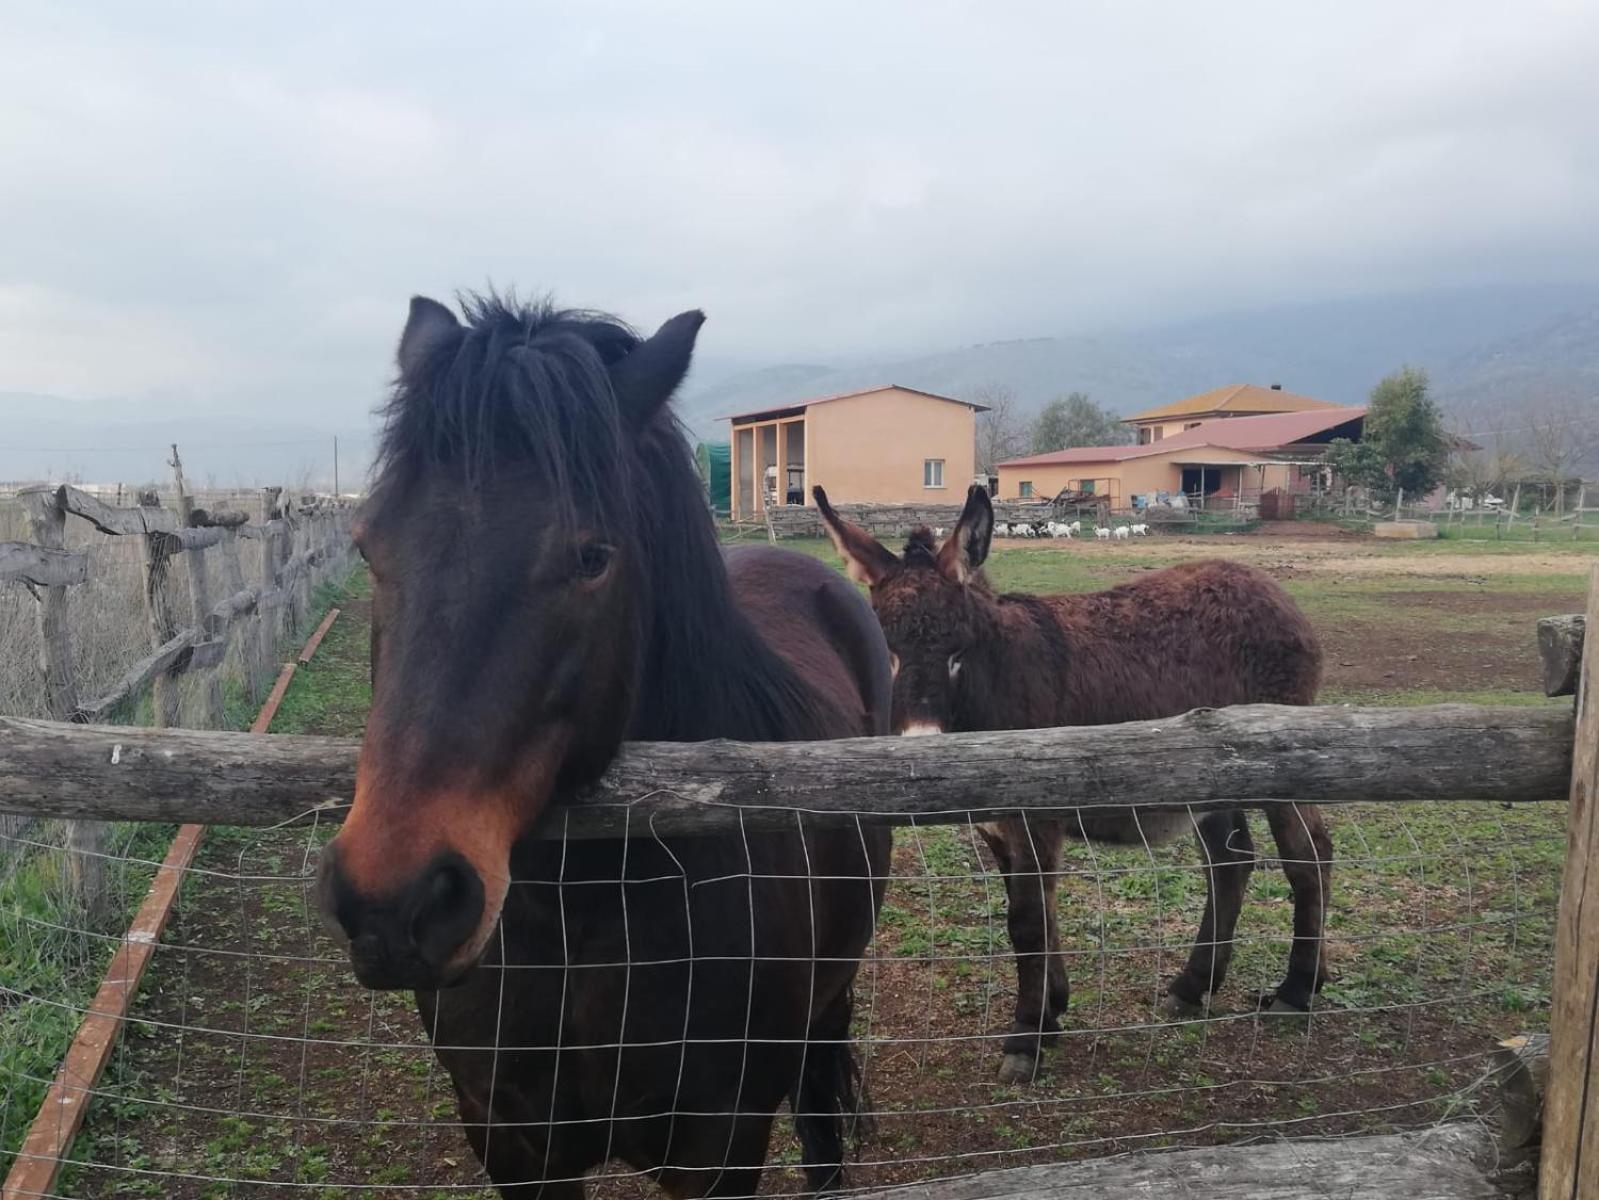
(1204, 759)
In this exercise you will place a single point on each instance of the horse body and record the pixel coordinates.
(1201, 634)
(546, 583)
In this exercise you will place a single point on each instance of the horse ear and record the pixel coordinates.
(966, 549)
(646, 378)
(428, 327)
(866, 559)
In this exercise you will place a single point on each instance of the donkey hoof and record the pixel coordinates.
(1281, 1008)
(1018, 1068)
(1179, 1009)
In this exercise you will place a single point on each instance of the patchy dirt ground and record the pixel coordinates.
(255, 1066)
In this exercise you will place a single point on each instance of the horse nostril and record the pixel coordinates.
(447, 907)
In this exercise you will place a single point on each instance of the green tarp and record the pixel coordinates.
(716, 469)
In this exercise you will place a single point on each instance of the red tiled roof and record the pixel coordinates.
(883, 387)
(1245, 434)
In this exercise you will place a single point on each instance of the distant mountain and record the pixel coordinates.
(1555, 360)
(1482, 346)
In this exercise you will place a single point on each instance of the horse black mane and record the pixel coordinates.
(527, 386)
(523, 384)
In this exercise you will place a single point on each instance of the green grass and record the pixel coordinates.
(331, 693)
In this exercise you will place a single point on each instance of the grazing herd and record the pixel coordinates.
(1062, 529)
(547, 584)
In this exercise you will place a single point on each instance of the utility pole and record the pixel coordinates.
(185, 504)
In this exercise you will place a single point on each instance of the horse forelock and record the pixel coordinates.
(524, 387)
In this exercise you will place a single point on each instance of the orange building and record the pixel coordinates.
(1239, 456)
(1237, 400)
(883, 445)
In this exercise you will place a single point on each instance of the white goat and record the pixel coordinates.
(1001, 529)
(1102, 532)
(1140, 530)
(1121, 533)
(1076, 527)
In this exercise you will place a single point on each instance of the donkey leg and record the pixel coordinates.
(1229, 857)
(1029, 896)
(1306, 850)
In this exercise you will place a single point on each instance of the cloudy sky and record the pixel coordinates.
(223, 207)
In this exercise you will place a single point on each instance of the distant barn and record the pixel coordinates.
(883, 445)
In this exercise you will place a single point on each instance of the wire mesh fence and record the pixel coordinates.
(252, 1064)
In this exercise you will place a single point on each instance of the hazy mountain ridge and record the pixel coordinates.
(1484, 349)
(1488, 352)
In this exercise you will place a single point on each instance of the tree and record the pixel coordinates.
(1403, 445)
(1561, 440)
(1075, 420)
(1000, 434)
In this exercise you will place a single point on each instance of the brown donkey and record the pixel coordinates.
(1201, 634)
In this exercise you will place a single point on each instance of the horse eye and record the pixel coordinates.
(954, 664)
(594, 559)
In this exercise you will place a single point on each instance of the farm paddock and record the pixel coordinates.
(252, 1061)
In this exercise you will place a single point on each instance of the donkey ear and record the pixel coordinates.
(646, 378)
(427, 328)
(966, 549)
(866, 558)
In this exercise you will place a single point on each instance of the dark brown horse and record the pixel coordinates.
(1203, 634)
(547, 582)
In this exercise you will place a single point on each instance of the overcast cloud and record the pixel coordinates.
(225, 205)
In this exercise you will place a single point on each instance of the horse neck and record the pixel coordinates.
(705, 670)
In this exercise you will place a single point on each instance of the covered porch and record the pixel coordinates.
(768, 462)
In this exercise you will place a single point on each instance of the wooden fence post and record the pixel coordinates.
(153, 558)
(1570, 1167)
(86, 840)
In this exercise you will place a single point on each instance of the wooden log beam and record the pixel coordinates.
(1251, 753)
(107, 519)
(1560, 653)
(41, 565)
(1449, 1162)
(141, 674)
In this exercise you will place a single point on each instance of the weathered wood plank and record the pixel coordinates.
(1560, 653)
(1450, 1162)
(42, 566)
(140, 675)
(193, 539)
(1251, 753)
(1570, 1165)
(107, 519)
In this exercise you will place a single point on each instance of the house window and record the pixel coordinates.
(933, 473)
(1160, 432)
(1087, 487)
(1145, 435)
(1192, 425)
(1024, 489)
